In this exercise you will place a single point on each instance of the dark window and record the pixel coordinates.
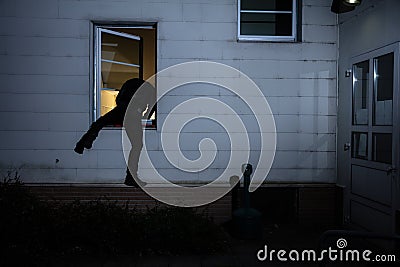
(269, 20)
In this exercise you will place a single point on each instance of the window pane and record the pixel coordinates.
(107, 100)
(118, 48)
(115, 74)
(382, 147)
(383, 89)
(360, 93)
(268, 5)
(266, 24)
(359, 145)
(120, 58)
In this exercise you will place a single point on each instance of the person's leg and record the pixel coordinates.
(114, 116)
(135, 135)
(133, 181)
(134, 155)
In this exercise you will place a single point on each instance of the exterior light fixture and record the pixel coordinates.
(343, 6)
(352, 2)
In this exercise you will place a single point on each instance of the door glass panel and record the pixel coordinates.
(382, 147)
(383, 90)
(359, 145)
(360, 93)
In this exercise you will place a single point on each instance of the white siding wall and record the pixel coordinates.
(45, 83)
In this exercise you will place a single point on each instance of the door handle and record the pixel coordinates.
(390, 170)
(346, 146)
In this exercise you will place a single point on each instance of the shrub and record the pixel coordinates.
(35, 229)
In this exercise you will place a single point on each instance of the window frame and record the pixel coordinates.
(97, 28)
(99, 60)
(271, 38)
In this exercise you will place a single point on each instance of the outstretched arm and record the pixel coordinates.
(114, 116)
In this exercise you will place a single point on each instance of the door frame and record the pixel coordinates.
(395, 190)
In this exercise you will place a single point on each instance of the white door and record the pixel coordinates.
(374, 141)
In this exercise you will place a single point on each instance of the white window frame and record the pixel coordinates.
(100, 29)
(97, 28)
(268, 38)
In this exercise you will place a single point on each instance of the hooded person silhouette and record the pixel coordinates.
(142, 100)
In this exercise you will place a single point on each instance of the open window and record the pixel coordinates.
(121, 53)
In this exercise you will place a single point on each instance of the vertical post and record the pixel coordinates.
(247, 222)
(247, 169)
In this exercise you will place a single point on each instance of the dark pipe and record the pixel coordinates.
(247, 170)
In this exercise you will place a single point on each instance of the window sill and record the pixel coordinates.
(267, 39)
(119, 128)
(152, 126)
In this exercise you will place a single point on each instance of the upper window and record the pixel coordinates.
(121, 53)
(267, 20)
